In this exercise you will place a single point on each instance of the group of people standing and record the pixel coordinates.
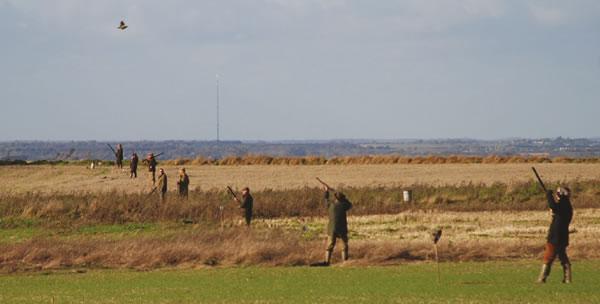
(160, 183)
(150, 160)
(557, 239)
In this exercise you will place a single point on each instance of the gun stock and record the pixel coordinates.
(539, 179)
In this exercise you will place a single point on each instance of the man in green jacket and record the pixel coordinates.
(183, 184)
(338, 224)
(557, 240)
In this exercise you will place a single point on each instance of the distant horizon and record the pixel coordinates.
(299, 140)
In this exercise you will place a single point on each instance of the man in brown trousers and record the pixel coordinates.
(557, 240)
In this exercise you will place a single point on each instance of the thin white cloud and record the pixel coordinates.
(549, 16)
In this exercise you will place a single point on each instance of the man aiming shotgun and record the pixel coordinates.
(557, 239)
(246, 203)
(150, 160)
(118, 155)
(338, 223)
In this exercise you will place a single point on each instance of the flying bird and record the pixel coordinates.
(122, 26)
(437, 235)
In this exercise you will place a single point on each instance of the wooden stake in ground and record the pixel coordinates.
(221, 207)
(436, 237)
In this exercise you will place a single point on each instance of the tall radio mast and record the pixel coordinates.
(217, 80)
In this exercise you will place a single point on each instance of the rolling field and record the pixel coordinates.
(45, 178)
(71, 234)
(489, 282)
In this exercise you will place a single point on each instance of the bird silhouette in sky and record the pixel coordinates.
(122, 26)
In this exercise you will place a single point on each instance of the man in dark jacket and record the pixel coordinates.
(246, 203)
(133, 164)
(338, 223)
(119, 156)
(183, 184)
(151, 161)
(557, 240)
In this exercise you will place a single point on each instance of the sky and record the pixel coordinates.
(299, 69)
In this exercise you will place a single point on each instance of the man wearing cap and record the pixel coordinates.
(338, 223)
(246, 203)
(162, 184)
(557, 240)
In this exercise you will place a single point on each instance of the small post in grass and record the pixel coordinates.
(436, 237)
(221, 207)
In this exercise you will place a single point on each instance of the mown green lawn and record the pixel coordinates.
(497, 282)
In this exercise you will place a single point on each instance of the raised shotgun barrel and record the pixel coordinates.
(324, 184)
(231, 192)
(111, 148)
(539, 179)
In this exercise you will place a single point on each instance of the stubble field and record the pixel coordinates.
(65, 178)
(70, 234)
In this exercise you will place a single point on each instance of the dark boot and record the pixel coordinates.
(327, 258)
(345, 255)
(566, 273)
(544, 273)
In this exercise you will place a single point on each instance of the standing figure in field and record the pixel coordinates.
(119, 156)
(246, 203)
(133, 163)
(338, 223)
(557, 240)
(151, 161)
(183, 184)
(162, 185)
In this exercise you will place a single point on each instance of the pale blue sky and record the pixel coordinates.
(292, 69)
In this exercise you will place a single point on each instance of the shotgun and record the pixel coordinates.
(153, 190)
(232, 193)
(114, 152)
(539, 179)
(324, 184)
(145, 160)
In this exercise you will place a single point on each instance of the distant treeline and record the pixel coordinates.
(342, 160)
(375, 160)
(173, 149)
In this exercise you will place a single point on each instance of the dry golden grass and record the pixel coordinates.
(67, 179)
(375, 240)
